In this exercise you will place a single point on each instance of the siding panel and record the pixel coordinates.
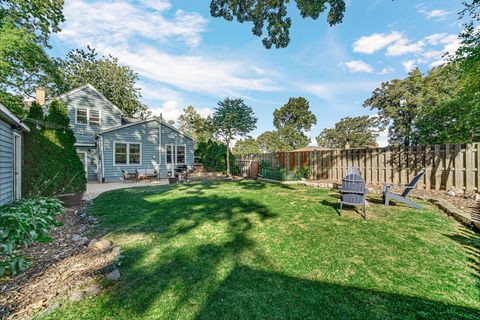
(6, 163)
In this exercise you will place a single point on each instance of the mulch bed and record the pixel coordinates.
(56, 269)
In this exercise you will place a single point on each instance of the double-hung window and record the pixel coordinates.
(82, 115)
(94, 117)
(169, 154)
(180, 155)
(127, 153)
(87, 116)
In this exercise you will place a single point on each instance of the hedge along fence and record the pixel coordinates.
(447, 166)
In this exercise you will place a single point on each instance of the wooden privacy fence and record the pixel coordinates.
(248, 168)
(447, 166)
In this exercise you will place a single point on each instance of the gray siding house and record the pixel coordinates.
(108, 142)
(11, 133)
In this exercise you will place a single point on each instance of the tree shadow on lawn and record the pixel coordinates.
(470, 241)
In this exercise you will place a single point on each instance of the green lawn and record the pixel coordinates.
(249, 250)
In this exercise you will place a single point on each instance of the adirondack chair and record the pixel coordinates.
(389, 195)
(352, 192)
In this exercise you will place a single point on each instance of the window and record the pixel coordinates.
(180, 154)
(169, 154)
(120, 153)
(134, 153)
(82, 115)
(94, 117)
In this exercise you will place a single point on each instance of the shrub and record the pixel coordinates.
(213, 156)
(303, 172)
(24, 223)
(279, 173)
(51, 164)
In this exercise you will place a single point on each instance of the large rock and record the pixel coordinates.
(93, 289)
(451, 193)
(77, 296)
(113, 276)
(103, 245)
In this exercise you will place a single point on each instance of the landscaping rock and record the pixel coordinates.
(76, 237)
(77, 296)
(79, 239)
(451, 193)
(477, 197)
(44, 313)
(93, 289)
(117, 252)
(101, 245)
(113, 276)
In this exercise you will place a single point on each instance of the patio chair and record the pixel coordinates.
(352, 192)
(389, 195)
(128, 176)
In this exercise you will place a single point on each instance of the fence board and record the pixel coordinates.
(446, 166)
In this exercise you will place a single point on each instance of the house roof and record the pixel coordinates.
(9, 117)
(145, 121)
(88, 85)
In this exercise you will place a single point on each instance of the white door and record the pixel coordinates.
(17, 166)
(83, 157)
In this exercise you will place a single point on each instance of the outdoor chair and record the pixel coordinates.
(352, 192)
(128, 176)
(146, 174)
(389, 195)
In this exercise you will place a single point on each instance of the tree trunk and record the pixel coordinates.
(228, 160)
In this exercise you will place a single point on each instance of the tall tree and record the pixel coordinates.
(293, 121)
(232, 118)
(192, 123)
(248, 145)
(25, 27)
(273, 14)
(399, 102)
(270, 141)
(357, 132)
(116, 82)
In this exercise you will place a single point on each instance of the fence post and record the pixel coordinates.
(469, 173)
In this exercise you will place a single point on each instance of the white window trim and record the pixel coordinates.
(184, 156)
(88, 117)
(174, 154)
(128, 154)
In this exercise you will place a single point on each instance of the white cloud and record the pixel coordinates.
(356, 66)
(374, 42)
(172, 109)
(386, 70)
(119, 21)
(408, 65)
(332, 91)
(258, 70)
(403, 47)
(436, 14)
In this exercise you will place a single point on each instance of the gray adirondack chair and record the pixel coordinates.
(389, 195)
(352, 192)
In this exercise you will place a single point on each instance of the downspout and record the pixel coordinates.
(103, 160)
(159, 144)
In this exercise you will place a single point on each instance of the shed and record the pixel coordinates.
(11, 154)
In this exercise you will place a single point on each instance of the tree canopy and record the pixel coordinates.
(193, 124)
(271, 17)
(293, 121)
(248, 145)
(357, 132)
(232, 118)
(118, 83)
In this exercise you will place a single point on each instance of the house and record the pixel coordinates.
(11, 133)
(108, 142)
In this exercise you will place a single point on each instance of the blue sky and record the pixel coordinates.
(186, 57)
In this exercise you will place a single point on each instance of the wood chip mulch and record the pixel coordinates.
(56, 269)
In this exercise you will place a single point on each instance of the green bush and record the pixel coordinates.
(213, 156)
(281, 174)
(24, 223)
(51, 164)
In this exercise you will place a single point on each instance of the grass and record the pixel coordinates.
(249, 250)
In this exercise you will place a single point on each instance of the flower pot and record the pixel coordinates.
(71, 199)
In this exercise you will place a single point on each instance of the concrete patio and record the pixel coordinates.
(94, 189)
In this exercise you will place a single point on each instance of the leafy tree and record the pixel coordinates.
(357, 132)
(116, 82)
(213, 155)
(232, 118)
(399, 102)
(273, 14)
(24, 63)
(13, 102)
(270, 141)
(171, 122)
(469, 51)
(246, 146)
(193, 124)
(39, 17)
(51, 163)
(293, 121)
